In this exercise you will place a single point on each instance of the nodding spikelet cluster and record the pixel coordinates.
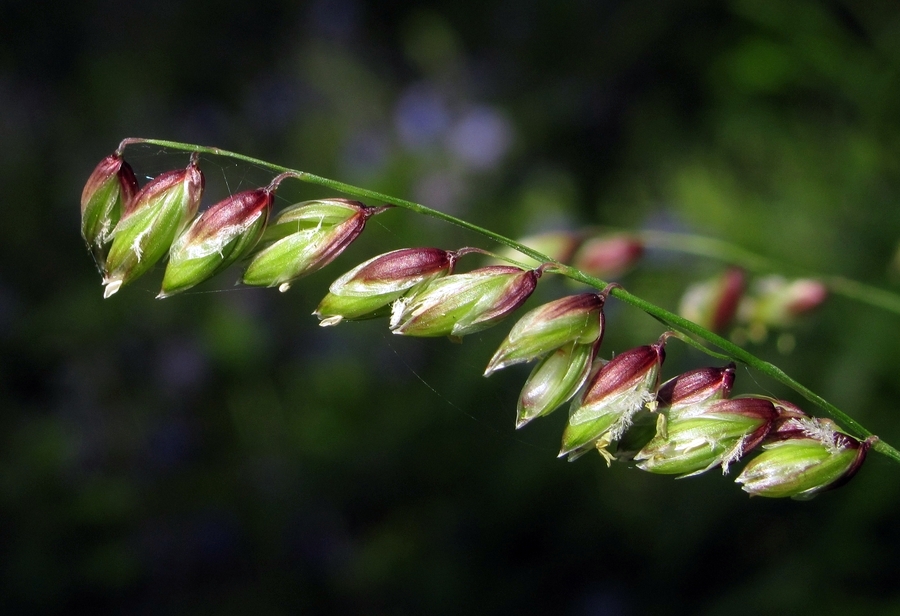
(617, 407)
(130, 229)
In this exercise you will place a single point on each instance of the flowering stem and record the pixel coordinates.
(669, 319)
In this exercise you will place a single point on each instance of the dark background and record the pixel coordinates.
(219, 453)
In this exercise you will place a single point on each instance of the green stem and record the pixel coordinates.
(670, 319)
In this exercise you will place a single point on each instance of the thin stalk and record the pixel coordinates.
(670, 319)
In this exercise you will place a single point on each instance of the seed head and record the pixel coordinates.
(577, 318)
(805, 457)
(109, 189)
(305, 238)
(619, 390)
(462, 304)
(716, 433)
(216, 239)
(150, 223)
(368, 289)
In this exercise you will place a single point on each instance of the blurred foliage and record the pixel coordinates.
(217, 452)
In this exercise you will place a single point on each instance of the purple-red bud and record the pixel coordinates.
(576, 318)
(305, 238)
(625, 373)
(715, 433)
(109, 189)
(368, 289)
(613, 396)
(608, 256)
(150, 223)
(696, 386)
(462, 304)
(804, 295)
(217, 238)
(804, 457)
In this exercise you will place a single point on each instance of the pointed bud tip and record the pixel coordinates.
(493, 367)
(521, 422)
(111, 287)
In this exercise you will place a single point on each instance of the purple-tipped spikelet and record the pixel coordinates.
(216, 239)
(686, 391)
(108, 191)
(613, 396)
(150, 223)
(368, 289)
(713, 432)
(577, 318)
(462, 304)
(805, 456)
(681, 394)
(566, 333)
(306, 237)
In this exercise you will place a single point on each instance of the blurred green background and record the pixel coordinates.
(218, 453)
